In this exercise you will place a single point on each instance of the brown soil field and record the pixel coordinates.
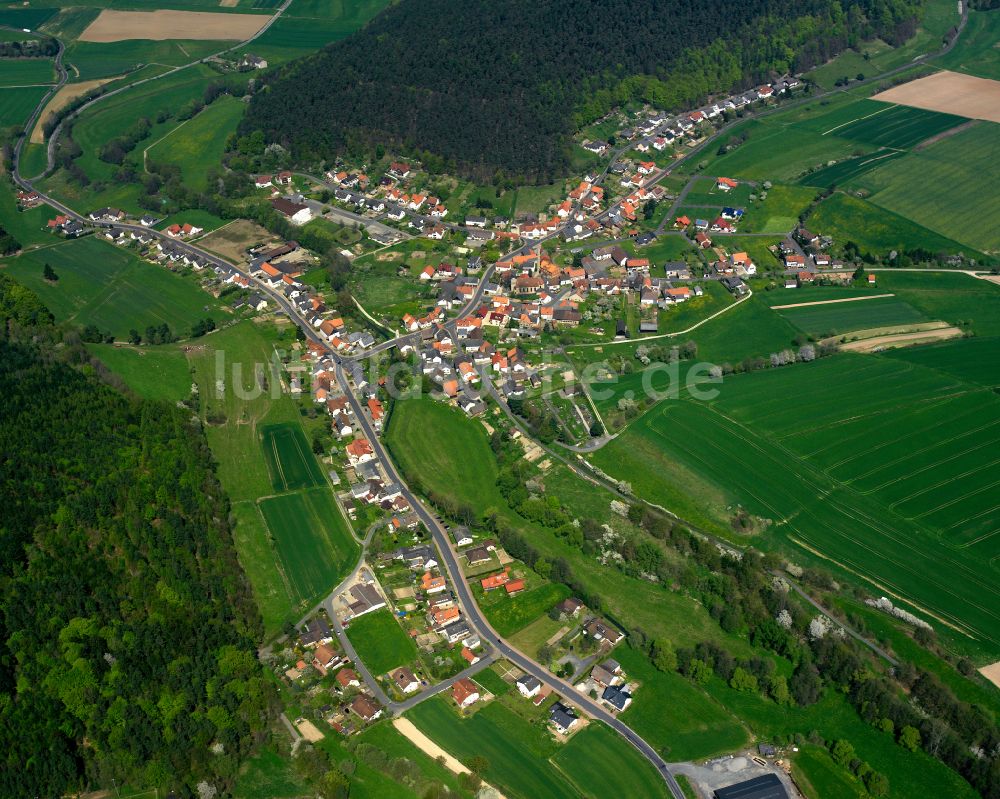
(62, 98)
(992, 673)
(118, 26)
(951, 93)
(232, 240)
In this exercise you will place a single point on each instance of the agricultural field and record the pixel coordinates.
(290, 462)
(112, 25)
(673, 714)
(975, 360)
(315, 547)
(893, 475)
(16, 105)
(882, 124)
(525, 762)
(381, 643)
(27, 72)
(104, 285)
(196, 146)
(311, 24)
(951, 92)
(847, 169)
(96, 60)
(30, 18)
(829, 319)
(956, 298)
(876, 230)
(586, 758)
(963, 169)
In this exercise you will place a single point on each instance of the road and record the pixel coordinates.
(54, 138)
(473, 615)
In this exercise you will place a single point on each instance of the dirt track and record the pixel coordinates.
(992, 673)
(118, 26)
(831, 302)
(950, 92)
(427, 746)
(901, 339)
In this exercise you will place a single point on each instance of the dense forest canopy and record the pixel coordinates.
(127, 631)
(489, 86)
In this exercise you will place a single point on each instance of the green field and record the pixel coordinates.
(29, 18)
(27, 71)
(423, 436)
(849, 168)
(513, 613)
(676, 716)
(956, 298)
(883, 124)
(151, 372)
(290, 462)
(196, 146)
(16, 105)
(815, 770)
(875, 229)
(381, 643)
(844, 317)
(587, 759)
(106, 59)
(889, 475)
(962, 169)
(28, 227)
(976, 360)
(311, 24)
(107, 286)
(312, 541)
(526, 763)
(976, 51)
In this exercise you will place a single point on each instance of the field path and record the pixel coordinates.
(830, 302)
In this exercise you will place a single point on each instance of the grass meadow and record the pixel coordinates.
(28, 227)
(93, 60)
(954, 297)
(888, 476)
(151, 372)
(976, 52)
(975, 360)
(290, 462)
(586, 759)
(381, 643)
(676, 713)
(112, 288)
(423, 436)
(877, 230)
(513, 613)
(196, 146)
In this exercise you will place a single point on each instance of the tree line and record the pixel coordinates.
(128, 632)
(500, 87)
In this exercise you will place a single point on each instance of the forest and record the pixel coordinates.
(486, 88)
(128, 633)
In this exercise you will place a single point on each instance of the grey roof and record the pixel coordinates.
(530, 682)
(767, 786)
(616, 696)
(561, 715)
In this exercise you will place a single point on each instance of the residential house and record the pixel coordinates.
(617, 697)
(405, 680)
(602, 630)
(366, 707)
(297, 213)
(562, 717)
(528, 685)
(348, 678)
(465, 692)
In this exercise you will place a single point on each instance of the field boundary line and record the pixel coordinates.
(852, 121)
(830, 302)
(145, 153)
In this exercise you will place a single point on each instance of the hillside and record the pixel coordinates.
(127, 631)
(500, 86)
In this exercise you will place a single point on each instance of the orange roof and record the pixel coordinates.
(269, 270)
(359, 446)
(684, 291)
(514, 586)
(469, 655)
(682, 220)
(494, 580)
(728, 182)
(445, 614)
(463, 689)
(450, 387)
(740, 257)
